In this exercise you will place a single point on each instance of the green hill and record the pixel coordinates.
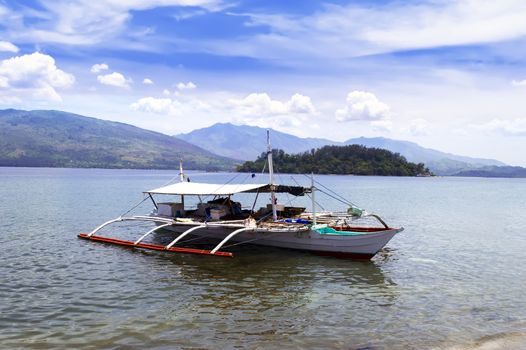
(352, 159)
(60, 139)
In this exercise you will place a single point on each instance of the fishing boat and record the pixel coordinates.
(221, 222)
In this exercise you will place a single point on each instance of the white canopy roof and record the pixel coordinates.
(194, 188)
(198, 189)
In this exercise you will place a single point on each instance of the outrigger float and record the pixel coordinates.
(221, 220)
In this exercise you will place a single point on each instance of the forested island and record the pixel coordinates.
(344, 160)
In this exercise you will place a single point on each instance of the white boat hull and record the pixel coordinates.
(364, 245)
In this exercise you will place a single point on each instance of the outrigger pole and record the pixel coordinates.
(271, 175)
(170, 247)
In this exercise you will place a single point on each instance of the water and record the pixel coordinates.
(454, 279)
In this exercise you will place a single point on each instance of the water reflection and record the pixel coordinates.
(271, 277)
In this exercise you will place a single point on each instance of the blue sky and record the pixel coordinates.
(449, 75)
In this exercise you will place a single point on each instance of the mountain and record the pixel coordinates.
(495, 171)
(60, 139)
(247, 142)
(440, 163)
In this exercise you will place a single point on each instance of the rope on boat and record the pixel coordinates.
(145, 198)
(281, 180)
(257, 193)
(333, 194)
(319, 205)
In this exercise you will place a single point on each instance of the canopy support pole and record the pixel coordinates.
(182, 235)
(271, 178)
(153, 201)
(149, 232)
(229, 237)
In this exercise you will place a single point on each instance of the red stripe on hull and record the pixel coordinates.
(151, 246)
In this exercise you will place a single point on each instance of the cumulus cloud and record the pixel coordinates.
(156, 105)
(172, 107)
(508, 127)
(114, 79)
(6, 46)
(35, 74)
(362, 105)
(260, 109)
(97, 68)
(147, 81)
(187, 86)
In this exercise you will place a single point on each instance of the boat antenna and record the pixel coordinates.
(271, 177)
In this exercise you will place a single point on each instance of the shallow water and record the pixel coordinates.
(454, 279)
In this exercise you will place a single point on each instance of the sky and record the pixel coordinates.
(449, 75)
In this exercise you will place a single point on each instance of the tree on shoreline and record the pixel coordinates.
(344, 160)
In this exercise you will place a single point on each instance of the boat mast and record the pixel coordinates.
(181, 178)
(271, 175)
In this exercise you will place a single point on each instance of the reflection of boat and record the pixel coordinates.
(277, 225)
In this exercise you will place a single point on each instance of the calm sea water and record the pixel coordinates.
(454, 279)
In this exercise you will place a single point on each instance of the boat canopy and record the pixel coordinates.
(198, 189)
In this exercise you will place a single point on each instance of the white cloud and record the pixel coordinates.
(166, 92)
(183, 15)
(97, 68)
(188, 107)
(147, 81)
(35, 74)
(114, 79)
(6, 46)
(353, 30)
(260, 109)
(364, 106)
(187, 86)
(519, 83)
(300, 104)
(382, 125)
(512, 127)
(418, 127)
(87, 22)
(156, 105)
